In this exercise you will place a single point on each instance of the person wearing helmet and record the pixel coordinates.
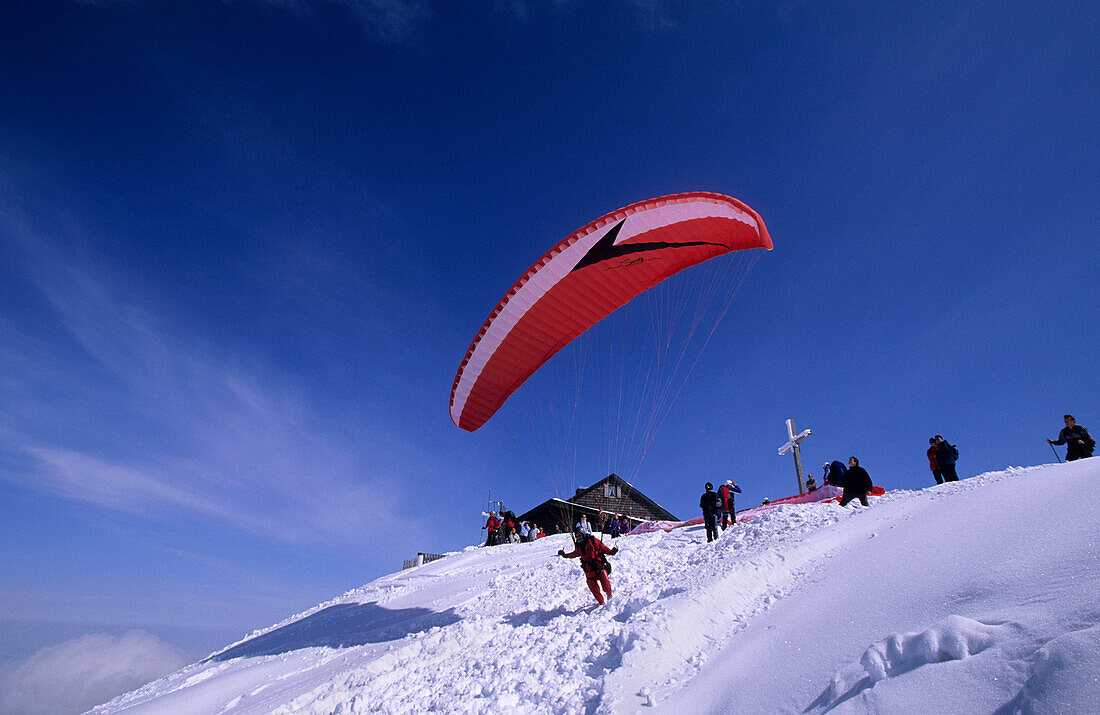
(711, 504)
(593, 555)
(725, 493)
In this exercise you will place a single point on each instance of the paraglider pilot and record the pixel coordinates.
(592, 553)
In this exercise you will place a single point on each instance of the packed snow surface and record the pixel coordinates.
(976, 596)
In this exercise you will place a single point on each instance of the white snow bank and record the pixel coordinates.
(970, 596)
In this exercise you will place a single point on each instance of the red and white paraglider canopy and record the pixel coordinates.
(586, 277)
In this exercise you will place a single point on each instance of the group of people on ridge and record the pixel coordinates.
(617, 525)
(941, 459)
(506, 530)
(718, 504)
(853, 480)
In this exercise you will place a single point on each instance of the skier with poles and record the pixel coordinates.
(1079, 443)
(593, 556)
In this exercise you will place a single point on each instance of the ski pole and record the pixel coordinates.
(1052, 449)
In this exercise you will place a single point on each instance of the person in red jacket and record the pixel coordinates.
(491, 525)
(726, 492)
(509, 534)
(592, 554)
(936, 471)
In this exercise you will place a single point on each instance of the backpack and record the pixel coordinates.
(954, 451)
(596, 563)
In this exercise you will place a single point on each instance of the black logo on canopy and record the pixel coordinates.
(606, 250)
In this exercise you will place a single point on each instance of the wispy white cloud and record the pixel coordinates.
(401, 21)
(654, 14)
(388, 21)
(105, 3)
(143, 418)
(86, 671)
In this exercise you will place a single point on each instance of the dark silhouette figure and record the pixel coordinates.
(946, 456)
(711, 504)
(1078, 440)
(857, 483)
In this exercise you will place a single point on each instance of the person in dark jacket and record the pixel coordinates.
(725, 493)
(946, 456)
(1079, 443)
(936, 472)
(857, 483)
(811, 485)
(592, 553)
(711, 504)
(833, 473)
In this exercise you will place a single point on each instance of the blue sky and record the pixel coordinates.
(244, 246)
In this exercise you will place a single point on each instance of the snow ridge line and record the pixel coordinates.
(583, 654)
(659, 662)
(525, 637)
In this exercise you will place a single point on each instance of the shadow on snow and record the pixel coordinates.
(342, 626)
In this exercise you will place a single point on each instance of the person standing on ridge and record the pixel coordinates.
(811, 485)
(593, 555)
(857, 483)
(1079, 443)
(936, 472)
(725, 493)
(946, 456)
(508, 528)
(711, 504)
(491, 525)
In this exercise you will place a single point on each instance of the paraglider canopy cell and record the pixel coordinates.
(586, 277)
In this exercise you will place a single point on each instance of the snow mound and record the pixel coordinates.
(935, 600)
(954, 638)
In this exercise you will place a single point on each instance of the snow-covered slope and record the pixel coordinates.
(977, 596)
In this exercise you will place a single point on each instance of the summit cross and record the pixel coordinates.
(792, 446)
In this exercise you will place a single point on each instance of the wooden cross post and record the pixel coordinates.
(792, 446)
